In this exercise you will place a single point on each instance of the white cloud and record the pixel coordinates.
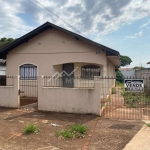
(134, 36)
(11, 24)
(93, 18)
(145, 25)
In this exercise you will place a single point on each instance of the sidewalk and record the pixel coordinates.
(141, 141)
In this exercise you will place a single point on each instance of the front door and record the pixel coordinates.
(68, 75)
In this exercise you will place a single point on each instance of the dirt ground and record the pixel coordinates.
(103, 134)
(27, 101)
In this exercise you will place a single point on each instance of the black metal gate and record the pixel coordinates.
(28, 84)
(125, 98)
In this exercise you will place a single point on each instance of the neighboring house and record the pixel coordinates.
(144, 73)
(2, 67)
(48, 50)
(127, 72)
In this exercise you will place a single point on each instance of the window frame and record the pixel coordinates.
(28, 72)
(89, 71)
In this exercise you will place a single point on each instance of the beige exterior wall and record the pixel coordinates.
(9, 94)
(51, 48)
(70, 100)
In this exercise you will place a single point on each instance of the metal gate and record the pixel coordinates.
(125, 98)
(28, 84)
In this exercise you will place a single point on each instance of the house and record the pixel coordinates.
(127, 72)
(73, 63)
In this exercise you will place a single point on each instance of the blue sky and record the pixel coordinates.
(123, 25)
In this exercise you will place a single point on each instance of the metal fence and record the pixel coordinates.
(70, 82)
(28, 87)
(125, 98)
(6, 80)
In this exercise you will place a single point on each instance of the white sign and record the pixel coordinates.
(134, 85)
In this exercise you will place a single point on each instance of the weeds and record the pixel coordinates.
(76, 130)
(135, 99)
(113, 90)
(31, 128)
(119, 84)
(65, 134)
(148, 124)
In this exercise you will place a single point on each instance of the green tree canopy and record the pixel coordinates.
(119, 76)
(125, 60)
(5, 41)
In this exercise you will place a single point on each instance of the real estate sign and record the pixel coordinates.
(134, 85)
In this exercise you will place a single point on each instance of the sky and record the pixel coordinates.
(123, 25)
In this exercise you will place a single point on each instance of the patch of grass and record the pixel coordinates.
(119, 84)
(64, 134)
(31, 128)
(113, 91)
(148, 124)
(136, 99)
(79, 130)
(76, 130)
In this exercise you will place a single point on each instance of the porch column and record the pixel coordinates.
(16, 93)
(104, 85)
(40, 86)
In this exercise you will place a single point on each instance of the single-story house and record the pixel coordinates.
(50, 57)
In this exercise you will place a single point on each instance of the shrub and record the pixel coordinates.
(31, 128)
(119, 77)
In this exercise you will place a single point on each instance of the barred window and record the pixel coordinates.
(89, 71)
(28, 72)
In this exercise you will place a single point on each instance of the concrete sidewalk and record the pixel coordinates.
(141, 141)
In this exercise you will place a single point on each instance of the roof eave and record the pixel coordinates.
(4, 51)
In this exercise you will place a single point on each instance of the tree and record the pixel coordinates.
(5, 41)
(125, 60)
(119, 76)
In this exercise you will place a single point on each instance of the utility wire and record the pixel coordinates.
(57, 16)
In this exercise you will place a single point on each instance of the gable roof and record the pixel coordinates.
(4, 51)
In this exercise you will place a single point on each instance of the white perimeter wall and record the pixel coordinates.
(70, 100)
(9, 94)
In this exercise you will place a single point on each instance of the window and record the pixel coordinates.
(28, 72)
(89, 71)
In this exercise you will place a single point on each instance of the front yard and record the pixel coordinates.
(102, 133)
